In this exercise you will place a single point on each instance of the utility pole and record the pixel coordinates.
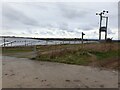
(103, 28)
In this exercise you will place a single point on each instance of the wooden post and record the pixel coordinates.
(46, 42)
(35, 48)
(74, 41)
(4, 42)
(82, 37)
(25, 42)
(69, 41)
(11, 44)
(63, 41)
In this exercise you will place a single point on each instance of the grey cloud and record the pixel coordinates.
(50, 33)
(86, 27)
(15, 16)
(36, 33)
(71, 12)
(119, 15)
(30, 31)
(63, 18)
(110, 31)
(63, 26)
(22, 33)
(43, 33)
(9, 33)
(95, 32)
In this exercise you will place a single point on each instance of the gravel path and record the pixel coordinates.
(24, 73)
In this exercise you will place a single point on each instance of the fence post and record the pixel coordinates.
(46, 42)
(4, 42)
(25, 42)
(35, 48)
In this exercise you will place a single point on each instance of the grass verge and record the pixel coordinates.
(103, 54)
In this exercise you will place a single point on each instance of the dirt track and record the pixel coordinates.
(24, 73)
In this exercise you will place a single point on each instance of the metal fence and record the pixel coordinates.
(11, 42)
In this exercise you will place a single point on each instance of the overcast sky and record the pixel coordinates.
(57, 20)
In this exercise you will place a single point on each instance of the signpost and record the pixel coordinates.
(82, 37)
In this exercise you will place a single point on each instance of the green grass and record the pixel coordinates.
(78, 58)
(108, 54)
(11, 50)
